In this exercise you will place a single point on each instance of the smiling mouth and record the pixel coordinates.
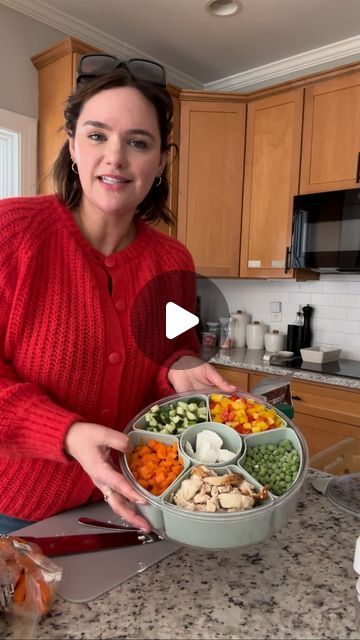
(108, 180)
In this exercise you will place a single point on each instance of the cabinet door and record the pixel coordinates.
(57, 69)
(331, 135)
(234, 376)
(272, 166)
(210, 184)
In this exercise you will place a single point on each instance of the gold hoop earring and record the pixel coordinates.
(74, 169)
(159, 181)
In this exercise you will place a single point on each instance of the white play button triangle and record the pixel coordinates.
(178, 320)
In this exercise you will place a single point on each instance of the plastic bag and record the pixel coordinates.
(28, 584)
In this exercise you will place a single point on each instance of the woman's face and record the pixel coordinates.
(117, 150)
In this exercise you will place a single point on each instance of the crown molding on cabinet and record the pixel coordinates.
(333, 54)
(281, 70)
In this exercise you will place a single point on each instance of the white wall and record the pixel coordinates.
(336, 302)
(20, 38)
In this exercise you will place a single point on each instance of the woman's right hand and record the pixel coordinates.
(91, 445)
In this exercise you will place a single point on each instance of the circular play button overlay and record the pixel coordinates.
(165, 317)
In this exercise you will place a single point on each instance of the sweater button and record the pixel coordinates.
(109, 261)
(115, 358)
(120, 305)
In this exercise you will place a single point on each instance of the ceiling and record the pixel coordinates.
(266, 39)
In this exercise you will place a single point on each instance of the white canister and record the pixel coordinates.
(239, 322)
(255, 335)
(275, 341)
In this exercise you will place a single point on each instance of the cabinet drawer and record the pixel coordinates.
(235, 376)
(321, 433)
(325, 401)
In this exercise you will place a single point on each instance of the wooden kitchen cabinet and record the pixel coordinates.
(331, 135)
(57, 68)
(212, 134)
(325, 414)
(271, 180)
(239, 377)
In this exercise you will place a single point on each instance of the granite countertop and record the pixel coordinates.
(252, 359)
(299, 584)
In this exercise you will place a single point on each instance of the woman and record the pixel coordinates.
(72, 269)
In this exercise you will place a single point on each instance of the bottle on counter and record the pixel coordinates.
(307, 333)
(239, 322)
(295, 334)
(255, 334)
(274, 341)
(225, 333)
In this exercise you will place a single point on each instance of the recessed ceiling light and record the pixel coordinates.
(224, 8)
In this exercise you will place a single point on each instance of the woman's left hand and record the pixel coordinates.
(190, 373)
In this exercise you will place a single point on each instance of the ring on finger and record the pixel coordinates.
(108, 495)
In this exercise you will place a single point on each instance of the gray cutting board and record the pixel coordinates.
(88, 575)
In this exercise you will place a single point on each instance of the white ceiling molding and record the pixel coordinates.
(265, 75)
(337, 53)
(71, 26)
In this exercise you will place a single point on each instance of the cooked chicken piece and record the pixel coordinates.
(225, 489)
(180, 501)
(190, 487)
(200, 498)
(210, 507)
(215, 501)
(200, 507)
(246, 487)
(234, 500)
(230, 479)
(202, 471)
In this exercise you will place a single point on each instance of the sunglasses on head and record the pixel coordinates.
(98, 64)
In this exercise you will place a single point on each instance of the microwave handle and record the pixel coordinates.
(358, 169)
(287, 259)
(295, 251)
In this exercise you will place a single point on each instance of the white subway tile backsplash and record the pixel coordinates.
(337, 313)
(352, 341)
(335, 299)
(322, 299)
(354, 288)
(353, 313)
(350, 327)
(335, 287)
(346, 300)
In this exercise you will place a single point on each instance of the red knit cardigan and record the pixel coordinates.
(67, 350)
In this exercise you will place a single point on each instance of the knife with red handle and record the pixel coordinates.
(84, 543)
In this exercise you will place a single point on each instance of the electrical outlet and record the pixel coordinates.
(276, 317)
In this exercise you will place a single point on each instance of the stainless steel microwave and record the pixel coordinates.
(326, 232)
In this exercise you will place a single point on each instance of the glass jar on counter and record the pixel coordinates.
(214, 328)
(225, 333)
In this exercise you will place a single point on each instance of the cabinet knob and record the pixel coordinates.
(295, 398)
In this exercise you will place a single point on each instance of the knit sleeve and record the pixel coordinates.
(31, 424)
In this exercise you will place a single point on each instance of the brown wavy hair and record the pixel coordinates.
(66, 182)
